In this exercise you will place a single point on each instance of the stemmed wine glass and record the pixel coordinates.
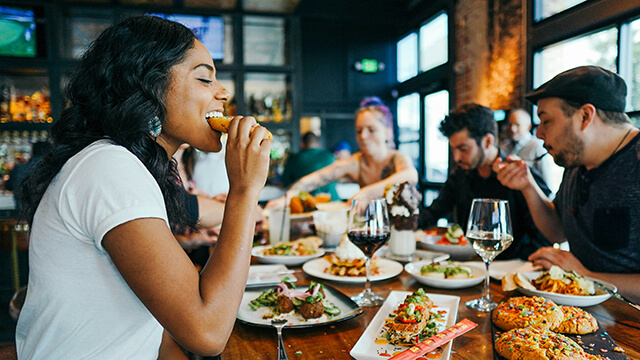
(368, 229)
(489, 230)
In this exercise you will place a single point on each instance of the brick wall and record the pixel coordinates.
(490, 53)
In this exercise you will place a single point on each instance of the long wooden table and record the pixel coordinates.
(335, 341)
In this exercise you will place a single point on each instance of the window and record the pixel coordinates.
(409, 126)
(422, 54)
(633, 63)
(264, 40)
(434, 38)
(436, 107)
(83, 27)
(545, 8)
(598, 48)
(407, 57)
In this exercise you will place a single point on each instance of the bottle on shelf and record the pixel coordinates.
(18, 107)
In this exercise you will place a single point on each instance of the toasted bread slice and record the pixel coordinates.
(509, 282)
(523, 281)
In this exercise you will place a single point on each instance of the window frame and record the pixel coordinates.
(584, 18)
(441, 77)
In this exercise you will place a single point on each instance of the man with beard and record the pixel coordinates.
(585, 129)
(472, 133)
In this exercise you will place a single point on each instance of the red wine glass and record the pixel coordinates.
(369, 229)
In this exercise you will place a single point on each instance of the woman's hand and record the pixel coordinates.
(247, 155)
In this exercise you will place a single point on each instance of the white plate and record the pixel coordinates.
(431, 256)
(333, 206)
(291, 260)
(309, 215)
(413, 268)
(348, 308)
(499, 268)
(571, 300)
(263, 275)
(388, 269)
(457, 252)
(367, 349)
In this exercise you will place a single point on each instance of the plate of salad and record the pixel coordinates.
(452, 242)
(313, 305)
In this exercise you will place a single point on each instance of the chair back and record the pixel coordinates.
(8, 352)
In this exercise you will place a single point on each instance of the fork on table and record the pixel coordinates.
(279, 324)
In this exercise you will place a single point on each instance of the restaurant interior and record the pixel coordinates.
(305, 65)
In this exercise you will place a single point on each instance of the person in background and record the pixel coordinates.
(106, 273)
(585, 129)
(342, 150)
(210, 172)
(472, 133)
(19, 171)
(521, 142)
(309, 159)
(376, 165)
(206, 210)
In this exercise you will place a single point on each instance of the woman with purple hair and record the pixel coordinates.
(376, 165)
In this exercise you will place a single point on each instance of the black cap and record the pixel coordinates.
(585, 85)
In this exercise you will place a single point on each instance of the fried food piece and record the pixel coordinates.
(285, 304)
(222, 124)
(308, 201)
(296, 205)
(311, 310)
(350, 267)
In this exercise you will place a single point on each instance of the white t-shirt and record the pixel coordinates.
(77, 305)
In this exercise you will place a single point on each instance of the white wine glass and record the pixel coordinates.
(490, 233)
(368, 229)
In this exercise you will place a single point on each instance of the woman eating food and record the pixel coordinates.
(106, 273)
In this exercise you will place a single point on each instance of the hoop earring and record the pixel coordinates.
(156, 127)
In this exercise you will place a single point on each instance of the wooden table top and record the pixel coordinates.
(335, 341)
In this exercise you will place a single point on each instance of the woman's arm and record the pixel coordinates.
(318, 178)
(404, 172)
(198, 309)
(210, 211)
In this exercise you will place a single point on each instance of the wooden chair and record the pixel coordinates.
(8, 352)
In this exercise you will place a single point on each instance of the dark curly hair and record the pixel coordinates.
(118, 93)
(476, 118)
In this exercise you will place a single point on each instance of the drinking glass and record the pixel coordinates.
(490, 233)
(368, 229)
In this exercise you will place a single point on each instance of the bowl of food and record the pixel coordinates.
(560, 286)
(452, 242)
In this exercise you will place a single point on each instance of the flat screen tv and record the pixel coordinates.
(208, 29)
(18, 32)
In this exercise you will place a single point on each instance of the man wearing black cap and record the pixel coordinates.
(585, 129)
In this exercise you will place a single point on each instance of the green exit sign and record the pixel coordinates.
(369, 65)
